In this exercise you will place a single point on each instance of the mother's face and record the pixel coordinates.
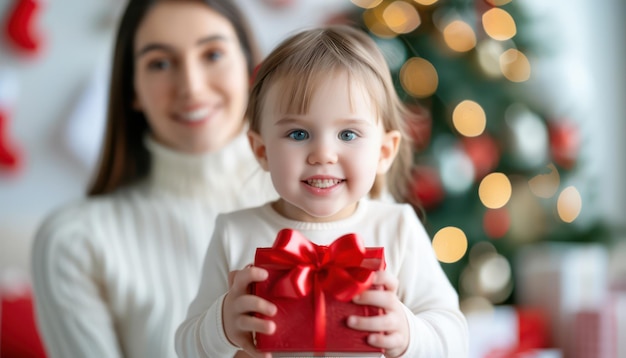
(191, 78)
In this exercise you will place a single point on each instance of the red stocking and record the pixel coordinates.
(9, 155)
(21, 28)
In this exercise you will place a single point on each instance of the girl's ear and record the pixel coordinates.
(258, 148)
(388, 150)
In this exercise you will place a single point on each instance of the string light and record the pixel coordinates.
(569, 204)
(499, 24)
(545, 185)
(515, 65)
(495, 190)
(469, 118)
(367, 4)
(419, 77)
(426, 2)
(401, 17)
(459, 36)
(450, 244)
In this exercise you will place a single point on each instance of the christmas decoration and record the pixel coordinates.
(494, 154)
(21, 26)
(10, 154)
(317, 282)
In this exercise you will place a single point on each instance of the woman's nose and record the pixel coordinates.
(191, 79)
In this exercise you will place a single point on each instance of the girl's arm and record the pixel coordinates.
(422, 317)
(218, 321)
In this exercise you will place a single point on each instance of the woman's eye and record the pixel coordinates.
(347, 135)
(159, 65)
(298, 135)
(213, 56)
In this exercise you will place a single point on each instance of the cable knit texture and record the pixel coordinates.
(114, 275)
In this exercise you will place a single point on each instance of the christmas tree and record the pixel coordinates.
(492, 157)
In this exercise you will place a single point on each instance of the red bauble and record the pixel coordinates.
(10, 156)
(496, 222)
(419, 126)
(427, 187)
(564, 143)
(484, 153)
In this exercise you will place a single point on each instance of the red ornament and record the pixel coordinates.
(427, 187)
(496, 222)
(564, 143)
(419, 126)
(10, 156)
(484, 153)
(21, 28)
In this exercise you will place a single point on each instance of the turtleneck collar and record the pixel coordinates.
(195, 175)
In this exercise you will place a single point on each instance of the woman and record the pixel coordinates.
(114, 273)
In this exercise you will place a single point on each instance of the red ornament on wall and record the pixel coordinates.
(21, 26)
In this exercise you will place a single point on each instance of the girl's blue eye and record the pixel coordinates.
(347, 135)
(298, 134)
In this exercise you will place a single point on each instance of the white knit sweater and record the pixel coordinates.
(114, 275)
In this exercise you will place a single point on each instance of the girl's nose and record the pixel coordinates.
(322, 153)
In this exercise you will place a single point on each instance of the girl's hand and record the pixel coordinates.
(394, 339)
(239, 308)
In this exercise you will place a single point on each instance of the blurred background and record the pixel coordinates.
(518, 121)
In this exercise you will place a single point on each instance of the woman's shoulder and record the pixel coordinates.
(76, 218)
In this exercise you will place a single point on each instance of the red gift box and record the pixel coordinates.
(313, 286)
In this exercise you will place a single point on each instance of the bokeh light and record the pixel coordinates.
(367, 4)
(401, 17)
(496, 222)
(373, 19)
(499, 24)
(489, 52)
(469, 118)
(450, 244)
(545, 185)
(459, 36)
(515, 66)
(495, 278)
(495, 190)
(426, 2)
(498, 2)
(419, 77)
(569, 204)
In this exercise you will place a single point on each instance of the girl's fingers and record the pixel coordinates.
(255, 324)
(386, 300)
(382, 323)
(242, 278)
(386, 341)
(254, 304)
(385, 279)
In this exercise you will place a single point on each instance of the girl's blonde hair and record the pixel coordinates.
(304, 60)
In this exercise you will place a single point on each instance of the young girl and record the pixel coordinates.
(325, 121)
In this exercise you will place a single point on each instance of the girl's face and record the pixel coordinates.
(324, 161)
(191, 79)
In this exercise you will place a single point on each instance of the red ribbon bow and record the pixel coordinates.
(333, 270)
